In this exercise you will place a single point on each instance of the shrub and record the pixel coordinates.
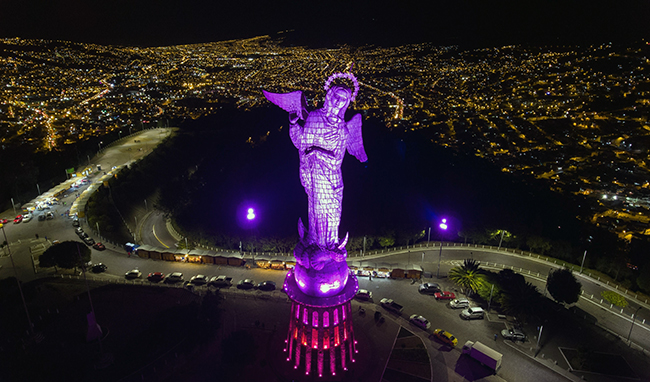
(614, 298)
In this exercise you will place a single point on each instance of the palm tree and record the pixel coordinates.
(468, 276)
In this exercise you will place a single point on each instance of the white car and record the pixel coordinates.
(199, 280)
(420, 321)
(174, 277)
(27, 217)
(459, 303)
(133, 274)
(363, 294)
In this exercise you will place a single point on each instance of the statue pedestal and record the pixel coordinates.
(320, 335)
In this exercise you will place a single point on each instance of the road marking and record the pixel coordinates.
(153, 229)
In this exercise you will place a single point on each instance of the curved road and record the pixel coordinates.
(152, 230)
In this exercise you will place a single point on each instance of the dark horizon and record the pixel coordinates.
(162, 23)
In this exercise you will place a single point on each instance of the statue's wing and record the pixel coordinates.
(293, 102)
(355, 139)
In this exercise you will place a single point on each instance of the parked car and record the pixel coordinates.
(133, 274)
(99, 268)
(445, 337)
(444, 295)
(18, 219)
(78, 230)
(49, 215)
(41, 217)
(246, 284)
(199, 280)
(459, 303)
(513, 334)
(4, 221)
(75, 223)
(220, 281)
(174, 277)
(429, 288)
(266, 286)
(89, 240)
(363, 294)
(420, 321)
(27, 217)
(155, 276)
(99, 246)
(473, 313)
(391, 305)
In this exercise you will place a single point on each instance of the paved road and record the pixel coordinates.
(22, 238)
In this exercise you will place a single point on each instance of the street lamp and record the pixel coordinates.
(583, 261)
(20, 289)
(632, 327)
(443, 227)
(429, 237)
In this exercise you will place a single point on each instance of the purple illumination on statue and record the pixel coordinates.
(321, 285)
(322, 137)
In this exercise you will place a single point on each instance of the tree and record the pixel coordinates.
(563, 286)
(468, 276)
(69, 254)
(538, 244)
(643, 280)
(386, 241)
(518, 297)
(523, 301)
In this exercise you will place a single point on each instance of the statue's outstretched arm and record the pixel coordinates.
(355, 139)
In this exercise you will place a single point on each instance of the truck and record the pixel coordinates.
(220, 281)
(391, 305)
(485, 355)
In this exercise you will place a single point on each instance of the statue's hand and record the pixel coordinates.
(293, 118)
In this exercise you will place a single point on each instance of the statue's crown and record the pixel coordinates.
(348, 76)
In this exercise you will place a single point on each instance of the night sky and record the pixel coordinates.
(326, 23)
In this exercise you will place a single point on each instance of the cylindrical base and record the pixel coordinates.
(320, 340)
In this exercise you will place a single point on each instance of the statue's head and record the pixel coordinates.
(339, 96)
(337, 100)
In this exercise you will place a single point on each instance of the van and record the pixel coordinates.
(459, 303)
(472, 313)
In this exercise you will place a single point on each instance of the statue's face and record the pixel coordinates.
(337, 100)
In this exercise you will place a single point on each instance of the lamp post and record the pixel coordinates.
(583, 261)
(429, 237)
(539, 337)
(97, 224)
(443, 227)
(20, 288)
(501, 240)
(250, 216)
(632, 327)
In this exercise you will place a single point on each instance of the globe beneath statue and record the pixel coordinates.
(323, 276)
